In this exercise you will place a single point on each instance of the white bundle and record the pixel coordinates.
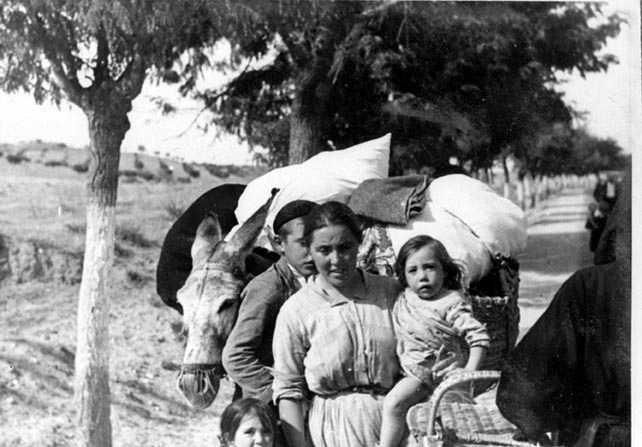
(497, 221)
(459, 241)
(326, 176)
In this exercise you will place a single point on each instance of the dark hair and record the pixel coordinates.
(332, 213)
(289, 212)
(234, 412)
(453, 274)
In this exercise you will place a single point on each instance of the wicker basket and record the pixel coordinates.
(494, 301)
(441, 422)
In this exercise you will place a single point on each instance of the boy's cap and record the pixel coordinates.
(290, 211)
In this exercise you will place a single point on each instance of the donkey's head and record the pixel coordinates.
(210, 300)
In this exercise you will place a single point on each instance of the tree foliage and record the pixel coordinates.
(84, 44)
(593, 154)
(464, 79)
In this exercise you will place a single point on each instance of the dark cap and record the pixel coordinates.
(292, 210)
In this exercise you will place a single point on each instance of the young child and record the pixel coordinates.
(433, 319)
(247, 422)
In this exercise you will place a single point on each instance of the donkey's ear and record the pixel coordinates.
(208, 234)
(243, 240)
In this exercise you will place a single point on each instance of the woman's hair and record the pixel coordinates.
(234, 413)
(332, 213)
(453, 274)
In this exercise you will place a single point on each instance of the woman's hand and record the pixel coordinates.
(292, 416)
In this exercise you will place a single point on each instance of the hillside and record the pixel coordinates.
(41, 245)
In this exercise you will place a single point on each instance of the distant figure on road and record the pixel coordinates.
(596, 221)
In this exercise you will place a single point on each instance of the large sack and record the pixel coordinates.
(459, 241)
(497, 221)
(326, 176)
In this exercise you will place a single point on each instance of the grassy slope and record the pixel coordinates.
(46, 204)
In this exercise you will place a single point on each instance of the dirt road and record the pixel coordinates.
(557, 247)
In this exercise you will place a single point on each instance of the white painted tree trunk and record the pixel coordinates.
(107, 127)
(91, 382)
(520, 191)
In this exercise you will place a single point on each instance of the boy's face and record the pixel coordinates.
(295, 248)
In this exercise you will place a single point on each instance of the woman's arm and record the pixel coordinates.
(292, 415)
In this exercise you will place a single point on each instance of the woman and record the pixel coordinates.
(334, 345)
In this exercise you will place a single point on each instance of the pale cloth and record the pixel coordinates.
(431, 330)
(325, 345)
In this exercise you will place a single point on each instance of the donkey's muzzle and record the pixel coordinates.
(199, 386)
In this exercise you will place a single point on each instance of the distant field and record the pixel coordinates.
(42, 221)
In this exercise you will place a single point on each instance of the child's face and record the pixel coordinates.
(295, 248)
(424, 273)
(252, 433)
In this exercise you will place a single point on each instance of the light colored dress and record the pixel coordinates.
(340, 353)
(432, 330)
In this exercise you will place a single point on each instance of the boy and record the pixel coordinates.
(247, 356)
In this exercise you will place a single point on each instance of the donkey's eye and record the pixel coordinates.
(225, 305)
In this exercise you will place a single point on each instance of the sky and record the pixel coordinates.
(612, 100)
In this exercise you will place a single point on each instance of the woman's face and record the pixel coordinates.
(334, 252)
(252, 433)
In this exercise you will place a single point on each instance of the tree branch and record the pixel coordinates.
(130, 82)
(67, 81)
(101, 70)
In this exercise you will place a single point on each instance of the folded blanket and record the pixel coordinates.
(393, 200)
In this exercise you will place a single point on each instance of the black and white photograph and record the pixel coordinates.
(319, 223)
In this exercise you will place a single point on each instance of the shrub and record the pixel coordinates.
(191, 170)
(122, 252)
(53, 163)
(173, 209)
(81, 167)
(133, 236)
(130, 174)
(165, 169)
(146, 175)
(17, 158)
(127, 173)
(136, 277)
(138, 164)
(217, 171)
(76, 228)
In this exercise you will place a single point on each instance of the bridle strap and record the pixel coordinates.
(215, 368)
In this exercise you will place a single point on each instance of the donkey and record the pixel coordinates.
(210, 300)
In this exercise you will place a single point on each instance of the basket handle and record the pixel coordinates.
(456, 378)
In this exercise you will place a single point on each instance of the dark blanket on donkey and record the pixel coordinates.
(574, 363)
(393, 200)
(175, 261)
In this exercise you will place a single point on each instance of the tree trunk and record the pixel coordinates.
(506, 179)
(108, 124)
(307, 119)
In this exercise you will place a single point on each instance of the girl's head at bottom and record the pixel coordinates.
(247, 422)
(424, 266)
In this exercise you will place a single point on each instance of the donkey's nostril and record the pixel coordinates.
(199, 387)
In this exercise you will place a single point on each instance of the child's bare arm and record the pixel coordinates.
(475, 358)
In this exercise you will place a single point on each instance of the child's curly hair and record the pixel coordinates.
(234, 413)
(453, 272)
